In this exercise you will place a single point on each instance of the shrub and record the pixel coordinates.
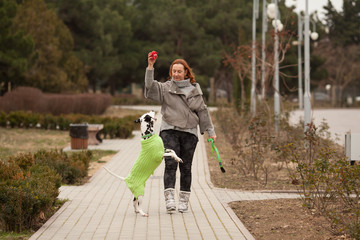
(29, 184)
(25, 194)
(10, 171)
(23, 160)
(251, 138)
(71, 167)
(23, 98)
(3, 119)
(129, 99)
(15, 119)
(325, 178)
(32, 99)
(63, 122)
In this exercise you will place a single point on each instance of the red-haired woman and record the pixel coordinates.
(183, 109)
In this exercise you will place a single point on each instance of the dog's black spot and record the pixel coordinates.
(147, 132)
(147, 118)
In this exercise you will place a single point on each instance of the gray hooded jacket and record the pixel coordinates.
(178, 109)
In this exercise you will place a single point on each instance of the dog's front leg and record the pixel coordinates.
(137, 206)
(171, 153)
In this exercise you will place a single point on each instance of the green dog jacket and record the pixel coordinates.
(151, 155)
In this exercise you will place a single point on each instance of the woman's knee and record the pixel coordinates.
(170, 164)
(185, 168)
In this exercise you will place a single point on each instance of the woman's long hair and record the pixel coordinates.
(189, 73)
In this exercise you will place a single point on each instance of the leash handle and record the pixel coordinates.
(214, 148)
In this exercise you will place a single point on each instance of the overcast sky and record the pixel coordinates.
(314, 5)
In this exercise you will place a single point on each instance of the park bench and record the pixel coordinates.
(94, 131)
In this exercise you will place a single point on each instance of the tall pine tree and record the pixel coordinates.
(15, 48)
(54, 67)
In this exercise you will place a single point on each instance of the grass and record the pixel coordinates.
(13, 235)
(15, 140)
(98, 154)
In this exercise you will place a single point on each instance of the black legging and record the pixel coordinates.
(184, 145)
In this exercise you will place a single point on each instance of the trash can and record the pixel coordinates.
(79, 136)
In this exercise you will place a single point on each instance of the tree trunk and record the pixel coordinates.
(333, 96)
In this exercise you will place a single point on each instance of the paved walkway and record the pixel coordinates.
(102, 208)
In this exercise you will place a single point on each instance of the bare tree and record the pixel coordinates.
(342, 65)
(240, 61)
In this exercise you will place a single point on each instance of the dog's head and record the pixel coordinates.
(147, 123)
(147, 117)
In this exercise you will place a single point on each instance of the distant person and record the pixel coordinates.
(182, 109)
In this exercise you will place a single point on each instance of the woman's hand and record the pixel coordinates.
(213, 137)
(151, 60)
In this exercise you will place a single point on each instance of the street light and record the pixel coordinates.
(273, 12)
(300, 36)
(263, 54)
(314, 36)
(268, 10)
(307, 96)
(253, 59)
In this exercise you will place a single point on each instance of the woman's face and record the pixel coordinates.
(178, 72)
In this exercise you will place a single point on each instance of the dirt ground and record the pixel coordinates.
(266, 219)
(282, 219)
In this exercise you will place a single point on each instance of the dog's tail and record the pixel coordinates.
(114, 174)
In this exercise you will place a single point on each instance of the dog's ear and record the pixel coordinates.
(137, 120)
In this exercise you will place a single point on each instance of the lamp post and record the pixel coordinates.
(276, 62)
(253, 59)
(307, 96)
(300, 91)
(273, 12)
(263, 53)
(314, 36)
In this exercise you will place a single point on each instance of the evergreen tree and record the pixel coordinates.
(54, 68)
(102, 36)
(15, 48)
(344, 26)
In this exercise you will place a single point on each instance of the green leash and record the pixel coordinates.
(213, 148)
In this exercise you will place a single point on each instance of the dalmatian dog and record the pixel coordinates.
(151, 155)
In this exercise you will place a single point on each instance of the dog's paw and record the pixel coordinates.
(143, 213)
(171, 153)
(179, 160)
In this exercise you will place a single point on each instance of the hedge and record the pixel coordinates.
(32, 99)
(29, 184)
(113, 127)
(25, 194)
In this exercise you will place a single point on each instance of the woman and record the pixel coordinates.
(183, 109)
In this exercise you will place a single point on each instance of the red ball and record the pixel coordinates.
(153, 55)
